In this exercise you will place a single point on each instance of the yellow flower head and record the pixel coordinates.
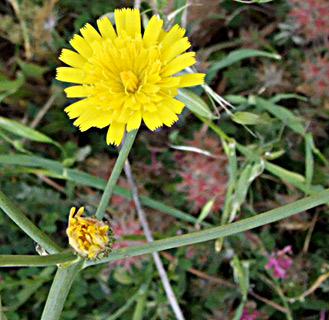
(87, 236)
(124, 76)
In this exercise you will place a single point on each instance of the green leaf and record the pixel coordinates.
(205, 210)
(11, 86)
(23, 131)
(282, 212)
(285, 115)
(236, 99)
(239, 309)
(195, 103)
(31, 69)
(248, 175)
(238, 55)
(248, 118)
(241, 275)
(282, 96)
(294, 178)
(309, 161)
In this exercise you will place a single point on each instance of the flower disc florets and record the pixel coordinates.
(87, 236)
(126, 77)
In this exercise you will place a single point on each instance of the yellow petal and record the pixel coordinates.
(86, 120)
(174, 104)
(68, 74)
(82, 46)
(106, 29)
(170, 82)
(72, 58)
(191, 79)
(150, 107)
(120, 21)
(90, 34)
(77, 108)
(95, 118)
(78, 91)
(134, 121)
(115, 133)
(103, 119)
(175, 49)
(168, 117)
(178, 64)
(152, 31)
(133, 22)
(152, 120)
(175, 34)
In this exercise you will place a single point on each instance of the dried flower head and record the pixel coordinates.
(87, 236)
(125, 77)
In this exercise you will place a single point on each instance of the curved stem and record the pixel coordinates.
(123, 154)
(59, 290)
(36, 261)
(222, 231)
(27, 226)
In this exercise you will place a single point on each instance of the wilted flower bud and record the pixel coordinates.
(87, 236)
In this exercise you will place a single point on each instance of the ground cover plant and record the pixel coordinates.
(154, 176)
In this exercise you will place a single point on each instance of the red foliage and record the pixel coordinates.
(311, 17)
(204, 177)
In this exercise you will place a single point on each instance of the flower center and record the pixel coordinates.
(129, 81)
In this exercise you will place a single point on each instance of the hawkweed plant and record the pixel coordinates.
(124, 78)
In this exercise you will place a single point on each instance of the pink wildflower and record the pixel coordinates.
(279, 262)
(249, 314)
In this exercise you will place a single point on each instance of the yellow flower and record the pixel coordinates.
(87, 236)
(126, 77)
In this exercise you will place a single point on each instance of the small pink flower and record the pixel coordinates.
(279, 262)
(249, 314)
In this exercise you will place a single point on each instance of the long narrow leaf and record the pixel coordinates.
(222, 231)
(23, 131)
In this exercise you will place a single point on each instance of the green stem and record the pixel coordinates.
(27, 226)
(128, 303)
(36, 261)
(222, 231)
(59, 290)
(123, 154)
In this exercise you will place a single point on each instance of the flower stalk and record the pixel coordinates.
(123, 154)
(259, 220)
(36, 261)
(59, 290)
